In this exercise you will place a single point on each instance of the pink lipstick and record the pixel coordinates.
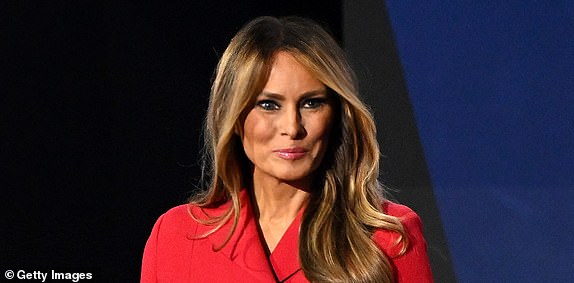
(291, 153)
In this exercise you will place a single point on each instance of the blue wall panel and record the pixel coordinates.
(492, 86)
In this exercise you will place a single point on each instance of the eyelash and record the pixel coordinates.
(318, 101)
(268, 105)
(271, 105)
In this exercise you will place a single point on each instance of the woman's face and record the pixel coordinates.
(287, 131)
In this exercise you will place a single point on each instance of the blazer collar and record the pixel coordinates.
(285, 257)
(245, 247)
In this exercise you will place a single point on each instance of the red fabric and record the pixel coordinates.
(173, 252)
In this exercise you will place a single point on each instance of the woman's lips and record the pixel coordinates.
(291, 153)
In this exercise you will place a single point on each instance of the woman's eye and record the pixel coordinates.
(268, 105)
(313, 103)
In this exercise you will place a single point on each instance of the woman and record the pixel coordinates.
(293, 161)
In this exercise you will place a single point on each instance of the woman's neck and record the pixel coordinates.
(278, 201)
(276, 206)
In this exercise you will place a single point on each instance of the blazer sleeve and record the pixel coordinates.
(413, 265)
(149, 270)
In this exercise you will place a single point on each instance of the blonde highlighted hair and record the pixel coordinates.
(345, 208)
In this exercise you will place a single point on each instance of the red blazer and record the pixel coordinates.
(174, 254)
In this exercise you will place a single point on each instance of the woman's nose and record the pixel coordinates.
(291, 124)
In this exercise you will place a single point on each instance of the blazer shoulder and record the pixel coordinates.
(398, 210)
(413, 265)
(411, 222)
(176, 219)
(176, 214)
(190, 219)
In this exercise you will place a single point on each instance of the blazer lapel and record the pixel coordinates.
(285, 257)
(244, 248)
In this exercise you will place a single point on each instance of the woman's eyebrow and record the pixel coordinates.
(321, 91)
(272, 95)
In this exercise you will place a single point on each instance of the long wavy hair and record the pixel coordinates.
(345, 207)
